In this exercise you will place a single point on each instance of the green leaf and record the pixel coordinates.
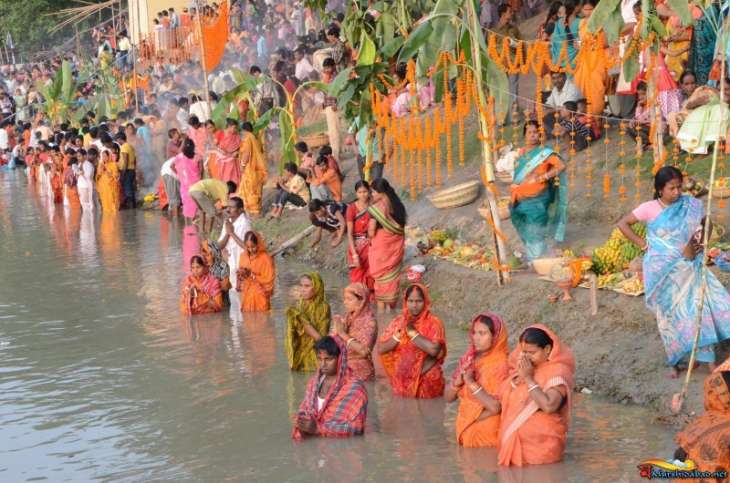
(498, 85)
(657, 26)
(645, 13)
(346, 96)
(681, 9)
(339, 82)
(415, 40)
(367, 50)
(601, 13)
(613, 25)
(263, 121)
(631, 67)
(389, 49)
(68, 86)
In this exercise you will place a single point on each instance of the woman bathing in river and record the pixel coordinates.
(672, 270)
(359, 329)
(201, 292)
(306, 323)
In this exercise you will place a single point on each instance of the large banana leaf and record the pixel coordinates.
(68, 85)
(601, 14)
(366, 55)
(681, 9)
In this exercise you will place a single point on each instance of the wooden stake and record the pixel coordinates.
(500, 246)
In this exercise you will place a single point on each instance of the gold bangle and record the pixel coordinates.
(349, 341)
(534, 386)
(480, 389)
(413, 337)
(396, 338)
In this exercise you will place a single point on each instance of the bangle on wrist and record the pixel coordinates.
(534, 386)
(349, 341)
(396, 339)
(477, 391)
(413, 337)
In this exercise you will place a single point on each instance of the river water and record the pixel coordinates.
(101, 378)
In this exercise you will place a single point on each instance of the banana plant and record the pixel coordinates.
(59, 95)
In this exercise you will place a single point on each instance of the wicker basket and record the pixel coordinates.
(316, 140)
(721, 193)
(459, 195)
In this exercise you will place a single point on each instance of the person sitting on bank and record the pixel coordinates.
(571, 128)
(325, 183)
(564, 90)
(291, 189)
(306, 158)
(335, 403)
(211, 196)
(330, 216)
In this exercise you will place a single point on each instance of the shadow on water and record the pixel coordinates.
(103, 378)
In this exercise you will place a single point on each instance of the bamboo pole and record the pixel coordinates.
(199, 24)
(678, 398)
(500, 246)
(134, 55)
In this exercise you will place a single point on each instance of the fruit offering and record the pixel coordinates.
(616, 254)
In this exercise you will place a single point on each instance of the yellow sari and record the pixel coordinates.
(315, 312)
(107, 184)
(253, 173)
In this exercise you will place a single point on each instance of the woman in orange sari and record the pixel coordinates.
(57, 177)
(256, 274)
(70, 177)
(201, 292)
(706, 439)
(591, 72)
(386, 230)
(536, 400)
(107, 182)
(476, 382)
(253, 171)
(359, 329)
(413, 347)
(227, 166)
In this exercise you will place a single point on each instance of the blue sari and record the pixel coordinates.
(673, 284)
(544, 215)
(702, 46)
(561, 34)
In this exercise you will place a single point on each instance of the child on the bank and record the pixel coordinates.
(291, 189)
(330, 216)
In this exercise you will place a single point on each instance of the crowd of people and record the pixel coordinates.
(517, 401)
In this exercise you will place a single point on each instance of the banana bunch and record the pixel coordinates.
(616, 254)
(610, 280)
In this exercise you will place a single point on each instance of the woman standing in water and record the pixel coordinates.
(306, 323)
(673, 271)
(413, 347)
(536, 400)
(187, 167)
(359, 329)
(358, 243)
(256, 275)
(201, 293)
(477, 380)
(107, 183)
(387, 242)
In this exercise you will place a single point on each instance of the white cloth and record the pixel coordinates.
(86, 177)
(167, 168)
(303, 69)
(240, 227)
(3, 140)
(559, 97)
(201, 110)
(182, 119)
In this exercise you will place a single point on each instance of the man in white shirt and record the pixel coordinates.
(234, 230)
(183, 115)
(85, 181)
(200, 109)
(172, 186)
(303, 67)
(564, 90)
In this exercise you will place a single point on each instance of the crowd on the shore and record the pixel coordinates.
(518, 401)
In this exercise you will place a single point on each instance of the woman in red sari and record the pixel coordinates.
(536, 400)
(359, 329)
(227, 164)
(386, 230)
(201, 292)
(358, 221)
(477, 380)
(336, 402)
(413, 347)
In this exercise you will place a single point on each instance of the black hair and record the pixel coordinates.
(188, 148)
(321, 160)
(230, 122)
(535, 336)
(333, 30)
(502, 9)
(486, 320)
(197, 259)
(290, 167)
(641, 86)
(362, 184)
(255, 69)
(247, 126)
(301, 146)
(381, 185)
(315, 205)
(685, 74)
(238, 201)
(328, 62)
(231, 187)
(664, 176)
(325, 150)
(171, 132)
(553, 10)
(328, 345)
(193, 121)
(121, 136)
(402, 70)
(530, 122)
(570, 105)
(251, 236)
(411, 288)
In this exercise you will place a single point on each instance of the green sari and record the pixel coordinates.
(543, 216)
(316, 312)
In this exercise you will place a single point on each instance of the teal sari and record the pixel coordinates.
(544, 216)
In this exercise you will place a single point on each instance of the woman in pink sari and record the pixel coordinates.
(386, 233)
(359, 329)
(199, 135)
(227, 153)
(187, 166)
